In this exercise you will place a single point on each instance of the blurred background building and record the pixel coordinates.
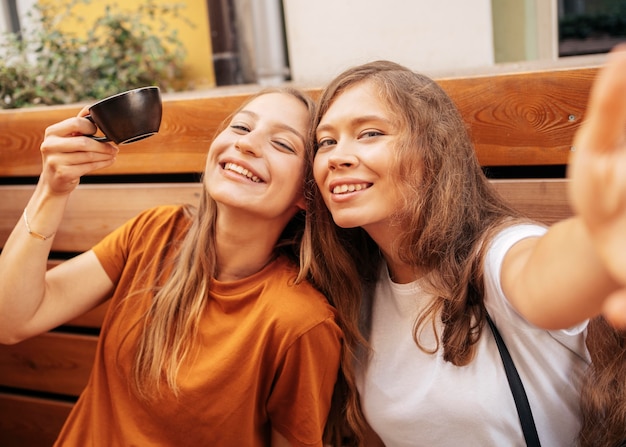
(309, 42)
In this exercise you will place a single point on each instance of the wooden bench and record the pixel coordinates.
(522, 125)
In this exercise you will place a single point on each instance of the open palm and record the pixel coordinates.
(598, 166)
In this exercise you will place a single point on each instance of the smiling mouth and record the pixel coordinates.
(351, 187)
(241, 171)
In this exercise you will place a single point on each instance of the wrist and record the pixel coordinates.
(32, 232)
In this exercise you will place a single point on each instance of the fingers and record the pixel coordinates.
(68, 155)
(70, 127)
(597, 172)
(65, 137)
(603, 128)
(84, 111)
(614, 309)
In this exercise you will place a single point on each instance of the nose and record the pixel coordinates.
(247, 144)
(342, 157)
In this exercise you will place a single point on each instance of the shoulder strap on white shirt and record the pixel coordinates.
(517, 389)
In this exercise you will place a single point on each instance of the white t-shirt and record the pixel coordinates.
(412, 398)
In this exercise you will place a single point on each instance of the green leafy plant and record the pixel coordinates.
(122, 49)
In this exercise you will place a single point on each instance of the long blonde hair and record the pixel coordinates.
(170, 326)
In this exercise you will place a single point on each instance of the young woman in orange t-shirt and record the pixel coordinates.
(213, 336)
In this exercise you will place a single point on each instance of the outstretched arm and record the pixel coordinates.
(566, 276)
(598, 175)
(33, 300)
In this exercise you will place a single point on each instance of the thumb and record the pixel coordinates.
(614, 309)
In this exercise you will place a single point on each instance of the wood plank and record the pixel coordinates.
(187, 127)
(30, 421)
(515, 119)
(91, 319)
(523, 118)
(94, 210)
(542, 199)
(57, 363)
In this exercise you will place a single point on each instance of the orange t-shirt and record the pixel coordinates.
(268, 359)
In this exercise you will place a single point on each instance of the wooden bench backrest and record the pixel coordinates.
(523, 119)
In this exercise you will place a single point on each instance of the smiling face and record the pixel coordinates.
(357, 139)
(256, 164)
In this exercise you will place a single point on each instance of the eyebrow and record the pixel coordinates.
(279, 125)
(356, 122)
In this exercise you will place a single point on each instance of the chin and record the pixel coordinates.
(346, 222)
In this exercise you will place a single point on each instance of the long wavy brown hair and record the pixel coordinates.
(447, 212)
(603, 394)
(449, 215)
(170, 326)
(446, 215)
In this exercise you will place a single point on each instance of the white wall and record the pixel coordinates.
(23, 7)
(327, 36)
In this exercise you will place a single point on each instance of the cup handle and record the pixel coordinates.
(103, 139)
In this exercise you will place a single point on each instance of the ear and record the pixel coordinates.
(301, 203)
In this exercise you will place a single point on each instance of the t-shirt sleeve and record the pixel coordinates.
(300, 398)
(114, 250)
(495, 301)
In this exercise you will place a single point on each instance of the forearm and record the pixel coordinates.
(23, 263)
(560, 279)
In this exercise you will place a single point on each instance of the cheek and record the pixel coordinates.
(290, 176)
(319, 170)
(211, 152)
(207, 163)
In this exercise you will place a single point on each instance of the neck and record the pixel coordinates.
(243, 247)
(400, 272)
(242, 268)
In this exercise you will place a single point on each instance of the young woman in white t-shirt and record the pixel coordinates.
(435, 251)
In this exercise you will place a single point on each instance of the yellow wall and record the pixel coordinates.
(198, 65)
(509, 28)
(524, 30)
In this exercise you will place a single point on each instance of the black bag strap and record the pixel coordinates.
(517, 389)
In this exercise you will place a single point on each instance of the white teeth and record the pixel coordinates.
(241, 170)
(351, 187)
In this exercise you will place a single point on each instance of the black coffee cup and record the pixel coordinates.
(129, 116)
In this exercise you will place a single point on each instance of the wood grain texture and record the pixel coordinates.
(544, 200)
(53, 362)
(92, 319)
(187, 128)
(30, 421)
(515, 119)
(94, 210)
(523, 118)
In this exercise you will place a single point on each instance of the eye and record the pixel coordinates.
(325, 143)
(370, 133)
(240, 128)
(284, 146)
